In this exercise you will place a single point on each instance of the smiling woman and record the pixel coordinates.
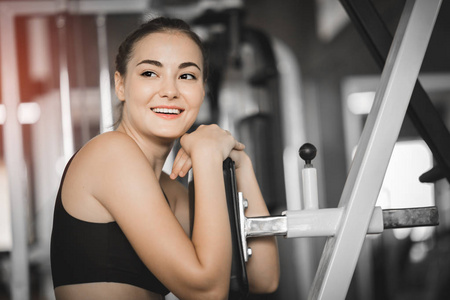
(122, 227)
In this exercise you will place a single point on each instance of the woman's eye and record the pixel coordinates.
(188, 76)
(148, 74)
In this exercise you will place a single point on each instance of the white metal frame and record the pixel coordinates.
(374, 149)
(356, 215)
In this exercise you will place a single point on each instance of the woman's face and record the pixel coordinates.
(163, 88)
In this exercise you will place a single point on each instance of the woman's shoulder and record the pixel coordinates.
(109, 152)
(95, 173)
(115, 140)
(110, 145)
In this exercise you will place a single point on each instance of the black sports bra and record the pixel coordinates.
(84, 252)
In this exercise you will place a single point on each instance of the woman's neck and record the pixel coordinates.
(155, 149)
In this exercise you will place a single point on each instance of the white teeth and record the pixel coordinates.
(166, 110)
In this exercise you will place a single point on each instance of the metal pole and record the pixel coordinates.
(292, 106)
(64, 88)
(105, 86)
(14, 157)
(374, 150)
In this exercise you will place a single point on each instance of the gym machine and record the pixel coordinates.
(356, 215)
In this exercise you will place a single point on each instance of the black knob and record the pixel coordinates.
(307, 152)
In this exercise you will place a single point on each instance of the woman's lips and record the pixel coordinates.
(172, 111)
(167, 112)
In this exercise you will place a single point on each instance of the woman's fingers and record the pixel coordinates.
(238, 146)
(209, 138)
(186, 167)
(181, 165)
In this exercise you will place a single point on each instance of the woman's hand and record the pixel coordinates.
(210, 139)
(206, 140)
(181, 165)
(240, 159)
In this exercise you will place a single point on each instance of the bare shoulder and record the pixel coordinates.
(111, 152)
(113, 155)
(96, 172)
(111, 144)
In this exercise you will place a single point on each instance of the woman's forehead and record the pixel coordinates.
(167, 46)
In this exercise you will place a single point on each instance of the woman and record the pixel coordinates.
(121, 225)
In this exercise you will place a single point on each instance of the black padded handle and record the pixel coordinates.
(238, 277)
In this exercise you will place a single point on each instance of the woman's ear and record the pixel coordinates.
(119, 86)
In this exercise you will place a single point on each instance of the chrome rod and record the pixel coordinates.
(266, 226)
(105, 85)
(64, 88)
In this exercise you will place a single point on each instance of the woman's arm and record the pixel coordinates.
(263, 268)
(126, 185)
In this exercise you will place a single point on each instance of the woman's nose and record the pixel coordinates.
(169, 89)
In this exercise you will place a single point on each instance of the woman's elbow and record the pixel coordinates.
(272, 286)
(206, 289)
(209, 294)
(267, 286)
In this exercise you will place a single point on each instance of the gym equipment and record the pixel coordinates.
(308, 222)
(356, 215)
(238, 277)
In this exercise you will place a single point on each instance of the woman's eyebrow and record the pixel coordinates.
(150, 62)
(188, 64)
(160, 65)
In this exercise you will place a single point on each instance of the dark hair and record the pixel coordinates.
(160, 24)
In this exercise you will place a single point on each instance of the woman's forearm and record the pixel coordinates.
(211, 231)
(263, 266)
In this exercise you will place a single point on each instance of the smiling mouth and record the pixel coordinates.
(167, 111)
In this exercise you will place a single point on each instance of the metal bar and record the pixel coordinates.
(113, 6)
(410, 217)
(421, 111)
(324, 222)
(64, 89)
(105, 86)
(241, 218)
(294, 128)
(313, 222)
(380, 133)
(17, 8)
(14, 157)
(85, 7)
(266, 226)
(292, 122)
(310, 189)
(308, 223)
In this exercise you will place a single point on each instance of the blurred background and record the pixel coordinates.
(282, 73)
